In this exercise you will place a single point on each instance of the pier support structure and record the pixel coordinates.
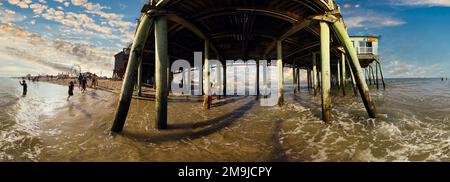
(381, 74)
(280, 73)
(338, 73)
(344, 74)
(314, 74)
(206, 74)
(224, 79)
(342, 34)
(139, 77)
(130, 73)
(326, 72)
(161, 68)
(257, 80)
(355, 92)
(294, 78)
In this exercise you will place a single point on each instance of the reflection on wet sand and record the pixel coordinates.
(43, 126)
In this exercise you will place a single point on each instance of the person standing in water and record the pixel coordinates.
(24, 85)
(80, 81)
(71, 86)
(84, 83)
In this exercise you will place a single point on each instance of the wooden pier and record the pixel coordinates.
(308, 35)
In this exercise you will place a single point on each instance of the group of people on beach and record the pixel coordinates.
(82, 82)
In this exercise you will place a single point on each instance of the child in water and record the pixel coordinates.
(24, 85)
(71, 86)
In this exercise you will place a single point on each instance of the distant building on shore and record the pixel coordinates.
(120, 63)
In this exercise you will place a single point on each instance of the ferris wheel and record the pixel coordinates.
(75, 70)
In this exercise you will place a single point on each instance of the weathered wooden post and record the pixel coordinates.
(206, 73)
(265, 84)
(341, 32)
(257, 79)
(280, 73)
(218, 79)
(326, 72)
(338, 74)
(344, 74)
(139, 77)
(382, 78)
(294, 78)
(298, 80)
(161, 69)
(126, 92)
(377, 78)
(308, 79)
(372, 74)
(224, 79)
(353, 78)
(314, 75)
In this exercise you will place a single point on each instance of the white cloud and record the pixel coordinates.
(430, 3)
(79, 2)
(38, 8)
(365, 18)
(20, 3)
(53, 54)
(372, 21)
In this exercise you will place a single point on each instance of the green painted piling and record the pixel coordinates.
(161, 70)
(342, 34)
(126, 92)
(326, 72)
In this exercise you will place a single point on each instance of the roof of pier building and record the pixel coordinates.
(243, 29)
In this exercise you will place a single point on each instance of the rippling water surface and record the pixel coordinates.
(413, 125)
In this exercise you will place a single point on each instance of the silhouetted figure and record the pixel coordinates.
(442, 79)
(84, 84)
(80, 80)
(71, 86)
(24, 85)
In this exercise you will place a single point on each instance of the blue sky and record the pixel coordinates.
(414, 42)
(47, 36)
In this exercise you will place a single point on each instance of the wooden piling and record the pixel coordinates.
(376, 76)
(224, 79)
(257, 79)
(355, 92)
(326, 72)
(381, 74)
(206, 73)
(342, 34)
(308, 79)
(314, 74)
(298, 80)
(372, 74)
(218, 79)
(161, 70)
(344, 74)
(280, 73)
(126, 92)
(294, 79)
(139, 77)
(338, 74)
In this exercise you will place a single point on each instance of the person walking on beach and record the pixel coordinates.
(71, 86)
(24, 85)
(84, 84)
(94, 81)
(80, 81)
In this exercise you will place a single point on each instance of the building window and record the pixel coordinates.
(365, 47)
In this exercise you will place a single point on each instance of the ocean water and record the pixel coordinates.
(413, 124)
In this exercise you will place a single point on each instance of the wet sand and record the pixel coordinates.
(412, 125)
(79, 131)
